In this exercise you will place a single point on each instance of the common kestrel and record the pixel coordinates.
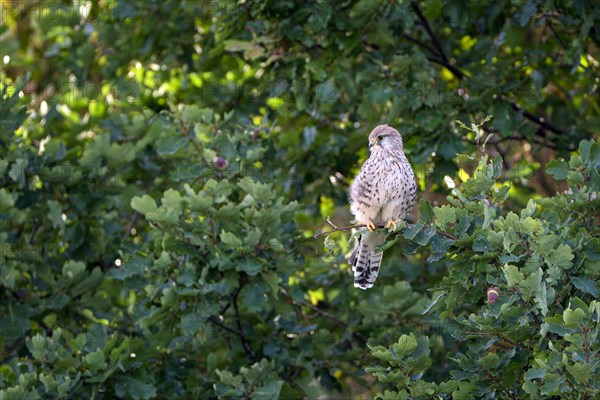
(383, 192)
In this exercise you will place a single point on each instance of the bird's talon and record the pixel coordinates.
(370, 225)
(390, 223)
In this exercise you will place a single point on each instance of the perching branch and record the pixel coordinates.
(343, 228)
(347, 228)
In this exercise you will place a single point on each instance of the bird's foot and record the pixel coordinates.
(369, 224)
(389, 223)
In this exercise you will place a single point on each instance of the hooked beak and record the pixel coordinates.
(371, 143)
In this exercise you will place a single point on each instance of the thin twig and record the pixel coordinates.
(524, 244)
(186, 131)
(419, 43)
(216, 321)
(130, 225)
(453, 68)
(331, 223)
(446, 234)
(136, 215)
(586, 345)
(500, 386)
(425, 23)
(342, 228)
(560, 40)
(36, 226)
(538, 120)
(238, 321)
(529, 311)
(438, 56)
(325, 314)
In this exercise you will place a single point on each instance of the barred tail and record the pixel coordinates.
(365, 263)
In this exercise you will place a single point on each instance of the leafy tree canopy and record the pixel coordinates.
(165, 166)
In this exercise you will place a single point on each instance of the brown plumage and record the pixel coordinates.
(383, 192)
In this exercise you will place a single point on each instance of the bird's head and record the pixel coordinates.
(385, 138)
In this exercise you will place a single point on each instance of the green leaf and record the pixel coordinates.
(512, 275)
(534, 373)
(73, 269)
(95, 361)
(561, 257)
(405, 345)
(191, 323)
(191, 114)
(6, 200)
(426, 211)
(55, 214)
(424, 236)
(268, 391)
(412, 230)
(585, 285)
(444, 215)
(558, 169)
(229, 239)
(529, 210)
(132, 266)
(439, 247)
(584, 150)
(573, 318)
(531, 389)
(531, 285)
(170, 145)
(464, 391)
(135, 388)
(144, 204)
(250, 267)
(237, 45)
(253, 297)
(524, 15)
(556, 325)
(489, 361)
(582, 372)
(272, 280)
(388, 244)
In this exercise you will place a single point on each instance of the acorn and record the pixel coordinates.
(492, 294)
(220, 163)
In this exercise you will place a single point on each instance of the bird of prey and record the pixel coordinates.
(383, 192)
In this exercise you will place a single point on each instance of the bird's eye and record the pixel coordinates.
(380, 137)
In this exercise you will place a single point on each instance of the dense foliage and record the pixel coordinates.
(165, 165)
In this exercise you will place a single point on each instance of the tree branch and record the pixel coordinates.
(538, 120)
(346, 228)
(238, 322)
(325, 314)
(500, 386)
(560, 40)
(425, 23)
(136, 215)
(452, 68)
(419, 43)
(438, 56)
(216, 321)
(342, 228)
